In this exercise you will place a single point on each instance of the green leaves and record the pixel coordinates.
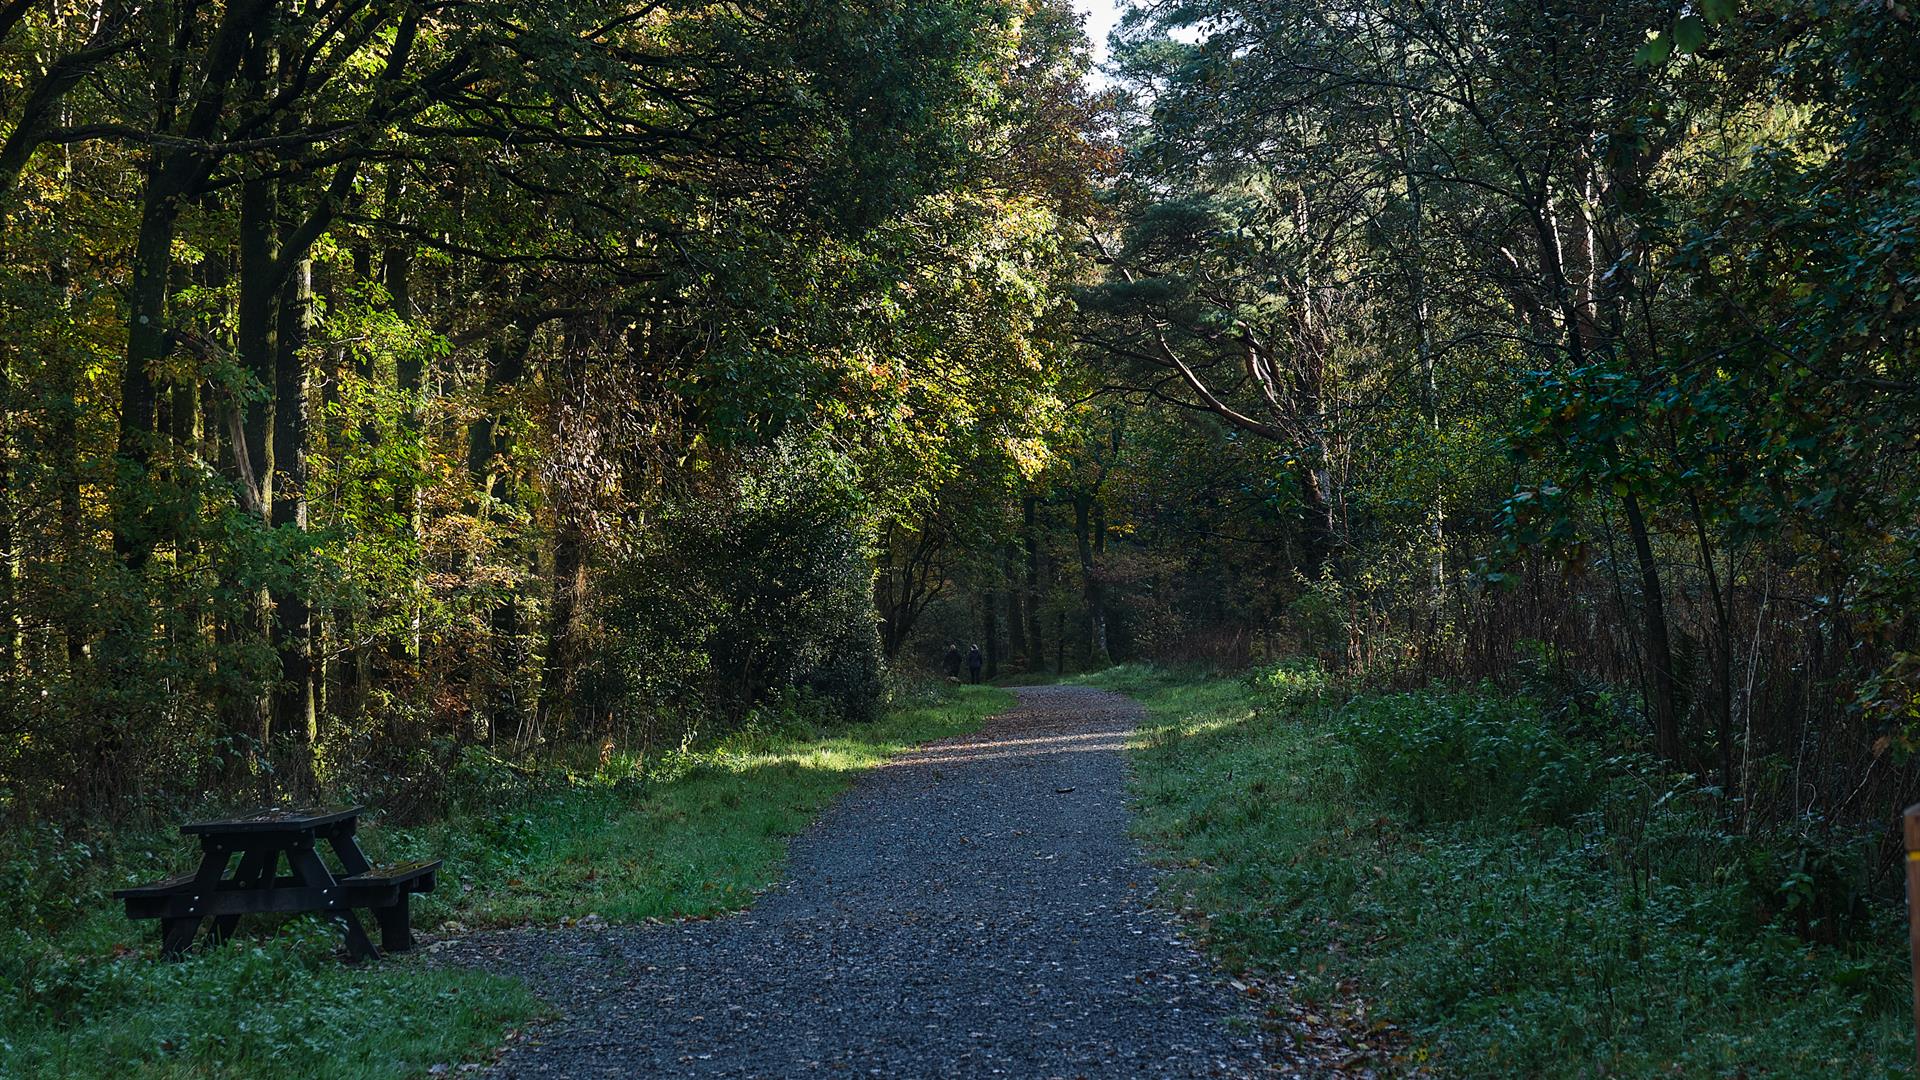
(1687, 34)
(1655, 52)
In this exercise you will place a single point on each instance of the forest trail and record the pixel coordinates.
(974, 908)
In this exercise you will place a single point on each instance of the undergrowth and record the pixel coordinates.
(693, 832)
(1513, 881)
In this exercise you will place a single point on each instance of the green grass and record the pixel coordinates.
(680, 834)
(1523, 901)
(690, 833)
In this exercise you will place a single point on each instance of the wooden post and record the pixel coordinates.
(1911, 826)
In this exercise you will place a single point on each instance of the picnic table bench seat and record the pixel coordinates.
(181, 902)
(419, 872)
(376, 885)
(163, 887)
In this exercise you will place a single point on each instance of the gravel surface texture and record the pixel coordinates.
(974, 908)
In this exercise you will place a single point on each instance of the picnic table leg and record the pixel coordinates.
(396, 926)
(313, 873)
(352, 859)
(255, 872)
(176, 934)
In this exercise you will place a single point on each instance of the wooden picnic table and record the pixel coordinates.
(262, 841)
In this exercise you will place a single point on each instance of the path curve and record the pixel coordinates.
(973, 908)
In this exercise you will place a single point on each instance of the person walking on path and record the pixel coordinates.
(974, 662)
(953, 661)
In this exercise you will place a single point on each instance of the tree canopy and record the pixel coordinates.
(379, 378)
(348, 347)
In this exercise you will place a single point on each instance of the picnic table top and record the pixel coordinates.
(274, 819)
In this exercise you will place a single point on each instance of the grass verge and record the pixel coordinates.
(1519, 889)
(693, 832)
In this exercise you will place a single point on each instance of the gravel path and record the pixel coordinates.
(971, 909)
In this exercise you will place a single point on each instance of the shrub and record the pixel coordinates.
(1292, 686)
(1810, 878)
(1442, 756)
(750, 587)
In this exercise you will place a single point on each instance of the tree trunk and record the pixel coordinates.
(121, 659)
(1031, 543)
(1662, 710)
(1722, 658)
(10, 624)
(904, 588)
(396, 268)
(990, 629)
(569, 589)
(65, 453)
(504, 627)
(295, 703)
(1430, 391)
(1092, 591)
(147, 345)
(1662, 703)
(1320, 539)
(256, 341)
(257, 329)
(1016, 617)
(486, 451)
